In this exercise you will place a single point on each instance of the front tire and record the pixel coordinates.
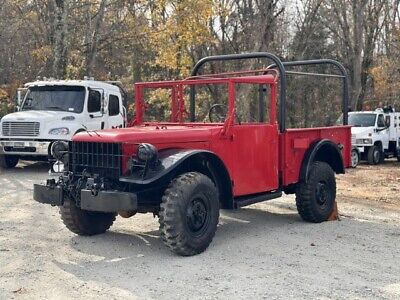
(374, 155)
(355, 158)
(315, 199)
(8, 161)
(189, 214)
(83, 222)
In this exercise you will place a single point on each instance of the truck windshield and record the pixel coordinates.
(59, 98)
(362, 120)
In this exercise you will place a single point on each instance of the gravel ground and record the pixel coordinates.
(263, 251)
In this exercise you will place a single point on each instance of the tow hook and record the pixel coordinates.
(95, 189)
(93, 186)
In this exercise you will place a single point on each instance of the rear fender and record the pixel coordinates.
(174, 162)
(325, 151)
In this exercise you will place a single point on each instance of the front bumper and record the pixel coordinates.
(103, 201)
(362, 148)
(31, 148)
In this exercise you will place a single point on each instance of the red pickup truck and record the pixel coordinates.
(185, 171)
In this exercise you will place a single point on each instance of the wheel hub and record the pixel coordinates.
(196, 214)
(322, 193)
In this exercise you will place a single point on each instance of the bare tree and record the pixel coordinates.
(60, 51)
(94, 26)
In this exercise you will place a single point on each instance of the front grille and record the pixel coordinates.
(103, 159)
(20, 128)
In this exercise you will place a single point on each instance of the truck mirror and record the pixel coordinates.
(19, 98)
(387, 121)
(103, 103)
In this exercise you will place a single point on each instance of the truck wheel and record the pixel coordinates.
(355, 158)
(374, 155)
(8, 161)
(189, 214)
(85, 222)
(315, 199)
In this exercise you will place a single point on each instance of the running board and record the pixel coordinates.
(251, 199)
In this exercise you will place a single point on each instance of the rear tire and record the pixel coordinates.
(189, 214)
(315, 199)
(83, 222)
(8, 161)
(374, 155)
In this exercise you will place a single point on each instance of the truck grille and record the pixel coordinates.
(103, 159)
(20, 128)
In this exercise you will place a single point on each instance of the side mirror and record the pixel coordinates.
(103, 103)
(19, 98)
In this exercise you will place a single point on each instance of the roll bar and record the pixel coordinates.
(277, 63)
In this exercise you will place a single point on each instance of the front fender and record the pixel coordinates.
(171, 161)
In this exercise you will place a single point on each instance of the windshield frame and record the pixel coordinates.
(82, 107)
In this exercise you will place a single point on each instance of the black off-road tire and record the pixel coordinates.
(374, 155)
(189, 214)
(315, 199)
(8, 161)
(83, 222)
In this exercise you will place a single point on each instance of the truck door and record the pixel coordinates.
(95, 110)
(390, 121)
(114, 111)
(382, 131)
(253, 148)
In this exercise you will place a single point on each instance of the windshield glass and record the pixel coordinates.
(60, 98)
(362, 120)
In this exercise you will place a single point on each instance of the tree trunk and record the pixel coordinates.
(92, 43)
(60, 49)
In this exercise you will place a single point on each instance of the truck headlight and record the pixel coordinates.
(363, 141)
(147, 152)
(59, 131)
(59, 149)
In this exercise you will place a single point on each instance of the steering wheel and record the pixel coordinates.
(220, 111)
(217, 113)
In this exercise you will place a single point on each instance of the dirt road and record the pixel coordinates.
(264, 251)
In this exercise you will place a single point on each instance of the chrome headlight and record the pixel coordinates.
(364, 141)
(59, 131)
(147, 152)
(59, 149)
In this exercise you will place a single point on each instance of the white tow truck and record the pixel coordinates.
(375, 135)
(55, 110)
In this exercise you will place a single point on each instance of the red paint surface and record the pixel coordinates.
(255, 154)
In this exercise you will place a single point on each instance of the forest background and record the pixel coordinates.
(133, 41)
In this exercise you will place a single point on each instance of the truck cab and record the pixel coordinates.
(54, 110)
(375, 134)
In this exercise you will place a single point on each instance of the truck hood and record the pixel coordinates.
(36, 115)
(361, 131)
(153, 134)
